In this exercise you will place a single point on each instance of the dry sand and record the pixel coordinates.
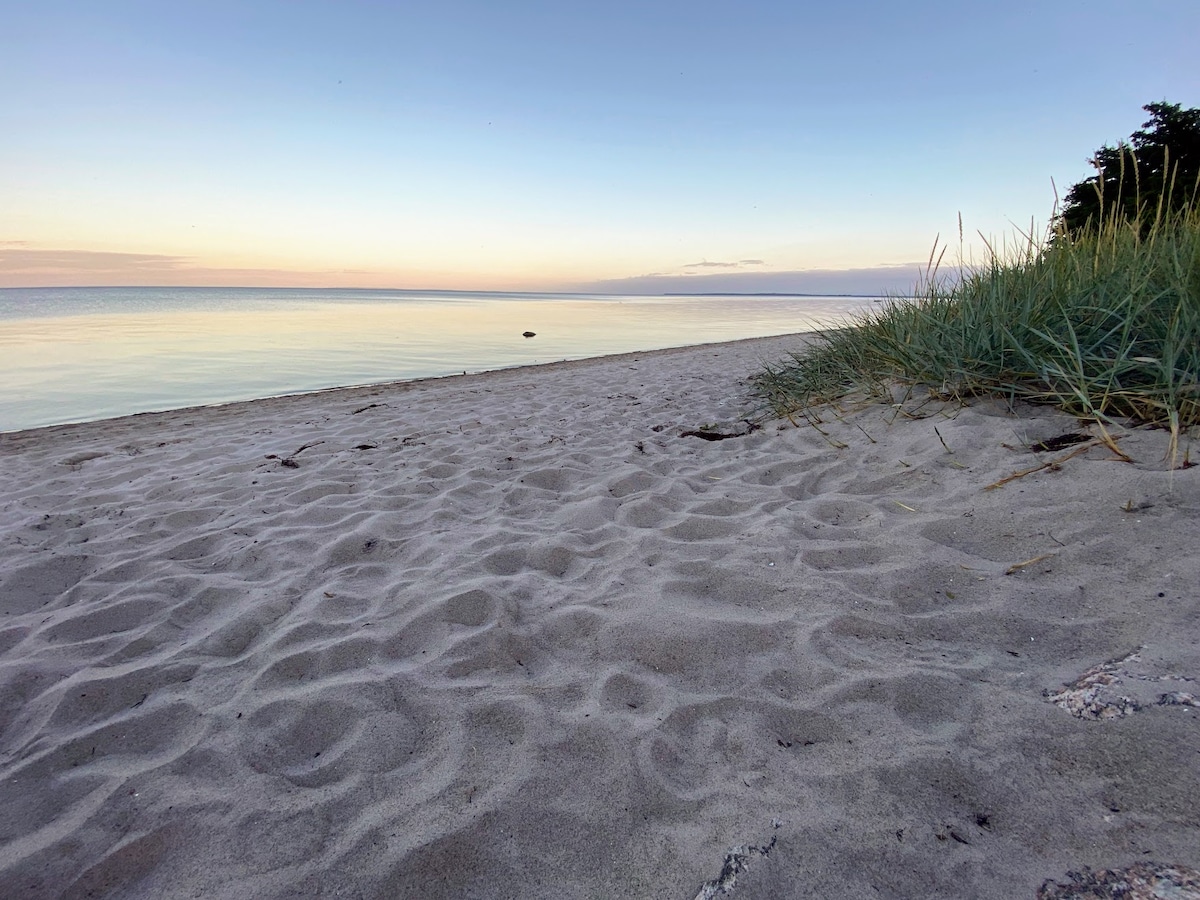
(517, 635)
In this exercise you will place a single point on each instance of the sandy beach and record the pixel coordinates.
(534, 634)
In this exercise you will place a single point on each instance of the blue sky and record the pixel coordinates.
(554, 146)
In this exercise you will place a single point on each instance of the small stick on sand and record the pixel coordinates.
(1017, 567)
(1054, 463)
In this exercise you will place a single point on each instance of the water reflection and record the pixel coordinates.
(61, 366)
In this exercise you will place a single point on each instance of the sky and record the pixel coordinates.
(625, 146)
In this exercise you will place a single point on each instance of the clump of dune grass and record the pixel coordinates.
(1104, 324)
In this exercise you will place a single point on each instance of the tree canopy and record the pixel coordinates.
(1160, 163)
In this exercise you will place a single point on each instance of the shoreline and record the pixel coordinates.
(798, 338)
(519, 633)
(146, 352)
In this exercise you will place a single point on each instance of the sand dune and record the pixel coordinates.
(519, 635)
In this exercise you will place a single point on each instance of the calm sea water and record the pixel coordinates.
(78, 354)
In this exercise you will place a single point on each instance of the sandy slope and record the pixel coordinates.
(516, 635)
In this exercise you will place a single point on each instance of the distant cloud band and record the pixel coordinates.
(62, 268)
(41, 262)
(707, 264)
(871, 282)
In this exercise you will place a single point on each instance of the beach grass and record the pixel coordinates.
(1104, 324)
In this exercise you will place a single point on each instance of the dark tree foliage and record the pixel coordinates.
(1159, 164)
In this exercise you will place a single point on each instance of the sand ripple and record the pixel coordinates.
(520, 635)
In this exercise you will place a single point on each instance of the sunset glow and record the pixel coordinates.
(549, 146)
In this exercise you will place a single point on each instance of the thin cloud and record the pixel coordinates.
(873, 281)
(63, 268)
(34, 262)
(709, 264)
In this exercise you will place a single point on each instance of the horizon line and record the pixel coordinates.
(246, 287)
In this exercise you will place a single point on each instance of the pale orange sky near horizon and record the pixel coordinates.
(92, 269)
(793, 147)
